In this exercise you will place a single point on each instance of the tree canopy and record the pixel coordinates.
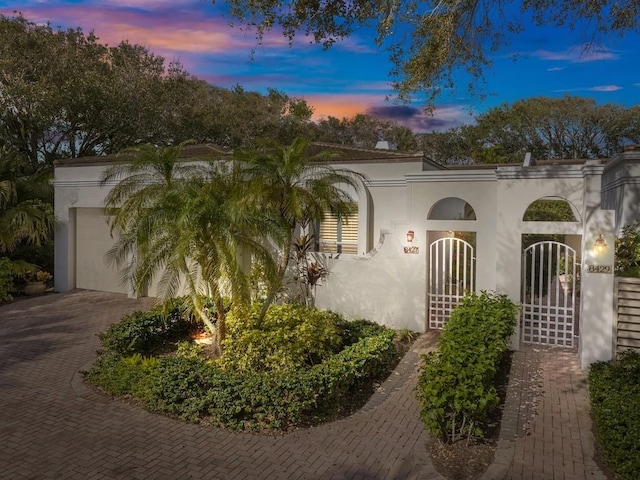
(428, 40)
(63, 94)
(549, 128)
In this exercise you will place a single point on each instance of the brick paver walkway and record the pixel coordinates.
(52, 426)
(546, 428)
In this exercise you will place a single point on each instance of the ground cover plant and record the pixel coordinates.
(614, 388)
(315, 366)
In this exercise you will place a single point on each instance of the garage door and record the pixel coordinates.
(93, 240)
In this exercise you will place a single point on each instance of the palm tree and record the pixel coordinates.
(26, 210)
(294, 188)
(185, 223)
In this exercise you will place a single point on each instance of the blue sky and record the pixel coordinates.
(351, 77)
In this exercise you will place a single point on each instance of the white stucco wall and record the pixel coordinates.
(76, 187)
(386, 287)
(384, 283)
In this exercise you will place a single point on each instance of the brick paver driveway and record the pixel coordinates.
(52, 426)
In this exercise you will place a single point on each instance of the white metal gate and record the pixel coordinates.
(451, 275)
(549, 294)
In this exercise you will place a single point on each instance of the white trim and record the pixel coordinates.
(452, 176)
(555, 172)
(391, 182)
(82, 183)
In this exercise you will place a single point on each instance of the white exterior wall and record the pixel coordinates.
(76, 187)
(387, 285)
(391, 287)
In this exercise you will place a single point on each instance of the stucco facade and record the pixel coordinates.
(387, 281)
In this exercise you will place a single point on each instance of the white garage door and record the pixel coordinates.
(93, 240)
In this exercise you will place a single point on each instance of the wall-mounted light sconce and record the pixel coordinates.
(600, 245)
(410, 236)
(451, 233)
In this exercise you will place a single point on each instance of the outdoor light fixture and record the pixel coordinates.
(451, 233)
(600, 245)
(410, 236)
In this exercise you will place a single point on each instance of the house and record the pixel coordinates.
(424, 234)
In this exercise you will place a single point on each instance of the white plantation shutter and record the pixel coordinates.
(339, 235)
(349, 237)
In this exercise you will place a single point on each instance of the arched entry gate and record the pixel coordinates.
(451, 275)
(549, 294)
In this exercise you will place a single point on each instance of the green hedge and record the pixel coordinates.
(457, 384)
(194, 388)
(149, 332)
(614, 388)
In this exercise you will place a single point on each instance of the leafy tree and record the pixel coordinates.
(549, 128)
(364, 131)
(63, 95)
(294, 188)
(242, 118)
(557, 128)
(428, 40)
(453, 147)
(184, 223)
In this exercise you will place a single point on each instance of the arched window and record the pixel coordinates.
(452, 208)
(551, 209)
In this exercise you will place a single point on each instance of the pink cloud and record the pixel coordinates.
(158, 30)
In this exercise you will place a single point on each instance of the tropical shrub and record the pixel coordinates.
(457, 384)
(34, 254)
(148, 332)
(351, 331)
(290, 337)
(195, 388)
(628, 252)
(6, 279)
(614, 388)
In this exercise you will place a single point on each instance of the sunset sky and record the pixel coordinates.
(352, 77)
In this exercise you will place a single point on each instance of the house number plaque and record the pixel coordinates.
(599, 269)
(411, 250)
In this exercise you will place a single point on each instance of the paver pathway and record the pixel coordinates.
(552, 430)
(52, 426)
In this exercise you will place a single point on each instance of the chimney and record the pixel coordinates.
(384, 145)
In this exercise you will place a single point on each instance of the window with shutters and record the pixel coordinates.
(339, 235)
